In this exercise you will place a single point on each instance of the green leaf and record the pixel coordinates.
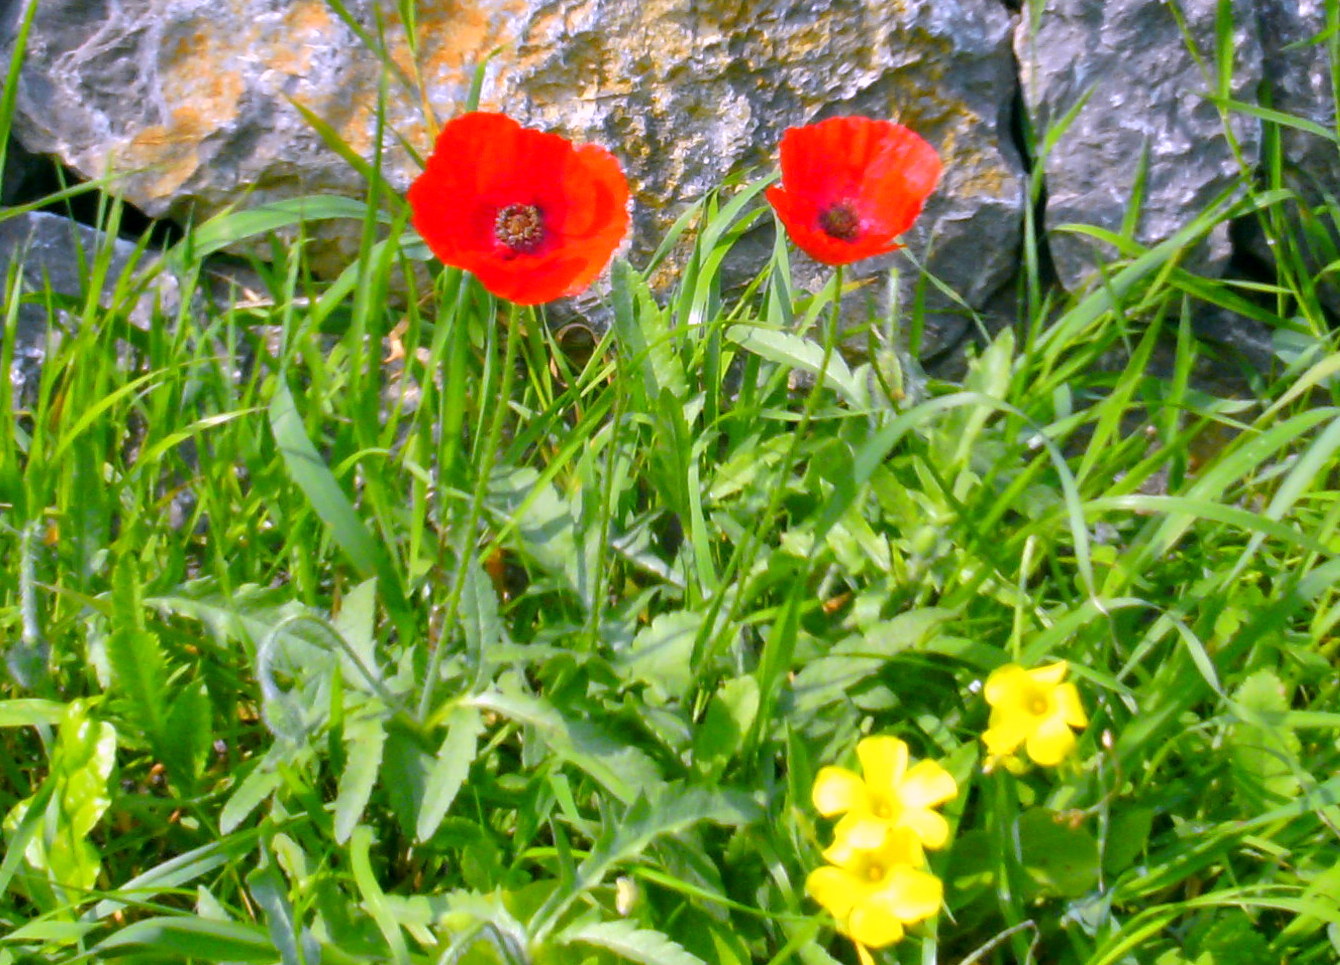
(311, 474)
(1262, 750)
(619, 767)
(364, 739)
(800, 353)
(249, 614)
(629, 942)
(730, 715)
(661, 654)
(355, 623)
(188, 735)
(139, 671)
(269, 890)
(1060, 859)
(81, 766)
(30, 712)
(258, 785)
(642, 330)
(181, 870)
(1127, 835)
(669, 811)
(181, 939)
(449, 771)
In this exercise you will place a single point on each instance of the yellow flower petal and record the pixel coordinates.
(1005, 735)
(861, 830)
(1051, 742)
(837, 789)
(1067, 701)
(899, 846)
(930, 826)
(1049, 675)
(925, 785)
(871, 924)
(908, 894)
(1004, 684)
(883, 761)
(836, 890)
(863, 955)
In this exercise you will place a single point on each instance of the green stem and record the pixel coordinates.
(465, 549)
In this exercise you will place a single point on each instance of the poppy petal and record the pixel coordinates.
(879, 171)
(483, 163)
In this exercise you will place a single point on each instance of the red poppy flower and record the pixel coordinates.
(533, 216)
(851, 185)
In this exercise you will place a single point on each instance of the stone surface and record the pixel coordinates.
(53, 251)
(1146, 93)
(190, 102)
(1298, 77)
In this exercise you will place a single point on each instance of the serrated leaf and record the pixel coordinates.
(1263, 752)
(249, 614)
(450, 769)
(550, 527)
(630, 942)
(405, 769)
(479, 613)
(188, 737)
(364, 738)
(855, 659)
(661, 654)
(139, 671)
(800, 353)
(621, 768)
(671, 810)
(355, 623)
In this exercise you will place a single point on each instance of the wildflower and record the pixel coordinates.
(851, 185)
(1033, 708)
(533, 216)
(874, 892)
(890, 796)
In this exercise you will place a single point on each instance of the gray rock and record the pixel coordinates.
(189, 103)
(1298, 72)
(1298, 77)
(53, 254)
(1146, 98)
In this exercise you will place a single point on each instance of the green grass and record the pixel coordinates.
(503, 652)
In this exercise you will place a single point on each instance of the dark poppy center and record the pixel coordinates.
(519, 227)
(840, 221)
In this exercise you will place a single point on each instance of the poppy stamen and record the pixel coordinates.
(519, 227)
(840, 221)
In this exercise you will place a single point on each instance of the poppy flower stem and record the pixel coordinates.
(466, 549)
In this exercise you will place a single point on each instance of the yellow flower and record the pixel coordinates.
(874, 892)
(1035, 709)
(892, 795)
